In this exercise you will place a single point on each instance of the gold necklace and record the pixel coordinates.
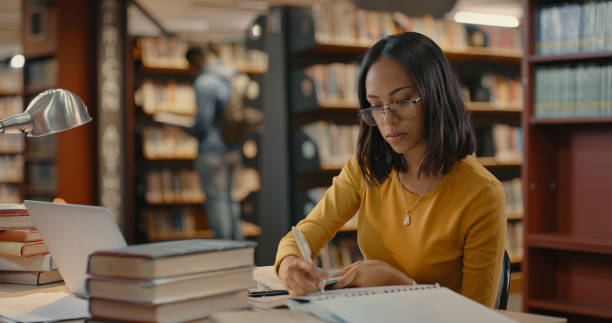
(407, 219)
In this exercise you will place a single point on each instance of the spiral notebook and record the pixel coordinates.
(418, 303)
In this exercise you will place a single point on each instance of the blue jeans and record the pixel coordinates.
(217, 175)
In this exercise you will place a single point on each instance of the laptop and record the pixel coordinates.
(72, 232)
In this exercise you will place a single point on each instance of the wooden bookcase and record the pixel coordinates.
(287, 172)
(567, 268)
(151, 215)
(61, 33)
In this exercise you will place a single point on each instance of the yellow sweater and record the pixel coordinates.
(456, 236)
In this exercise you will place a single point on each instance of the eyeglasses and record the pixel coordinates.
(402, 109)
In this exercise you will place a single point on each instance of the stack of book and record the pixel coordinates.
(24, 258)
(174, 281)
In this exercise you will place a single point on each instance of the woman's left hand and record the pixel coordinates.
(371, 273)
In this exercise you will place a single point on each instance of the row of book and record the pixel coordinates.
(42, 176)
(499, 90)
(241, 58)
(167, 96)
(10, 105)
(335, 84)
(41, 74)
(168, 186)
(172, 220)
(175, 281)
(24, 258)
(573, 91)
(501, 141)
(11, 79)
(514, 240)
(578, 27)
(514, 198)
(344, 23)
(11, 168)
(163, 52)
(168, 142)
(335, 143)
(339, 253)
(9, 193)
(12, 143)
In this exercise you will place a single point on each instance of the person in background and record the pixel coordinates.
(217, 162)
(428, 211)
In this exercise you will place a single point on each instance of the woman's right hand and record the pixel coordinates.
(300, 277)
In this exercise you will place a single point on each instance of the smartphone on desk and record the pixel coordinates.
(276, 292)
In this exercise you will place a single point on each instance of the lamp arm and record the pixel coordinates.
(17, 123)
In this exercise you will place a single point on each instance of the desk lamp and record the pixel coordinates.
(50, 112)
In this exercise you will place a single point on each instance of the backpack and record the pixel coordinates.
(238, 121)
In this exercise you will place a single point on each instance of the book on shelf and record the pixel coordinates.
(571, 28)
(332, 145)
(178, 311)
(343, 23)
(168, 186)
(22, 249)
(242, 58)
(34, 278)
(168, 142)
(573, 91)
(514, 240)
(41, 74)
(11, 168)
(10, 193)
(9, 106)
(166, 221)
(163, 52)
(501, 141)
(500, 91)
(170, 96)
(162, 259)
(20, 235)
(42, 262)
(334, 84)
(11, 79)
(339, 253)
(12, 143)
(171, 289)
(514, 197)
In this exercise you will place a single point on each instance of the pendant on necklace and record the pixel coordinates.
(407, 219)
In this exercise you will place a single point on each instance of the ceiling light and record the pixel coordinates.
(486, 19)
(17, 61)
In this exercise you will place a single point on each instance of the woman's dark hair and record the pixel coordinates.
(446, 128)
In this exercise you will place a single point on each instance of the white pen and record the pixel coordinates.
(304, 249)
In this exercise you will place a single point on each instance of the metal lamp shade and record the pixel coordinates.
(49, 112)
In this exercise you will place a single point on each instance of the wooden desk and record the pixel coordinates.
(11, 290)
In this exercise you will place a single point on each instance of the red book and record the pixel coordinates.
(14, 216)
(13, 209)
(20, 235)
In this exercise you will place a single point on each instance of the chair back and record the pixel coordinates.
(501, 302)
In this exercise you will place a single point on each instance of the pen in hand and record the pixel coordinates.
(305, 250)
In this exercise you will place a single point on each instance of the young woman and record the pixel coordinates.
(428, 211)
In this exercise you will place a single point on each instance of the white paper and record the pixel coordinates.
(43, 307)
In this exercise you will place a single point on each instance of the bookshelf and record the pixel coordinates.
(62, 164)
(12, 146)
(166, 183)
(567, 265)
(168, 203)
(305, 59)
